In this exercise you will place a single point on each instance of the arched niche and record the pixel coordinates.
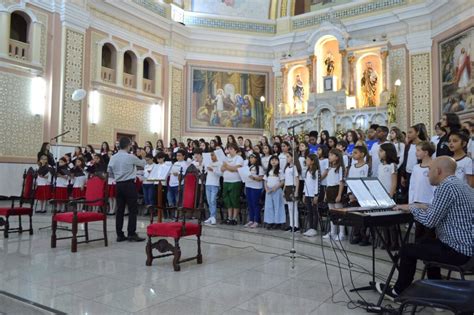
(327, 47)
(369, 67)
(361, 122)
(298, 77)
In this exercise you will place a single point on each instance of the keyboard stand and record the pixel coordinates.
(371, 285)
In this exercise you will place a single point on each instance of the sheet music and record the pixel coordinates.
(380, 194)
(206, 159)
(221, 157)
(244, 173)
(360, 191)
(160, 172)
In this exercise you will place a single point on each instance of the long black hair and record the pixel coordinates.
(276, 171)
(390, 153)
(315, 167)
(258, 162)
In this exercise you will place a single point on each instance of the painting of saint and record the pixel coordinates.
(368, 84)
(298, 95)
(457, 82)
(225, 99)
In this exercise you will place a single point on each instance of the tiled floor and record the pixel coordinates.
(234, 278)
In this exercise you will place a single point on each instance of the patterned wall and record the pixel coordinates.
(278, 93)
(420, 69)
(73, 79)
(119, 113)
(21, 133)
(398, 66)
(177, 104)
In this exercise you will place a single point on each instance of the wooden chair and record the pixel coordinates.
(192, 201)
(25, 205)
(95, 196)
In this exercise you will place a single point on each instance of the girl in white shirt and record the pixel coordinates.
(43, 183)
(323, 153)
(285, 148)
(311, 191)
(149, 189)
(274, 213)
(457, 144)
(62, 181)
(335, 187)
(267, 153)
(387, 175)
(303, 152)
(232, 183)
(292, 182)
(253, 190)
(212, 188)
(396, 137)
(79, 179)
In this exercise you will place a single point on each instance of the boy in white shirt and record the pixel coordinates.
(212, 188)
(178, 169)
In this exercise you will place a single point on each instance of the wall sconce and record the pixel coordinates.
(398, 82)
(350, 102)
(38, 96)
(156, 117)
(94, 107)
(262, 99)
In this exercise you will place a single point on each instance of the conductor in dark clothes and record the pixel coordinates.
(122, 167)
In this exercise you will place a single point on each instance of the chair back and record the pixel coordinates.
(96, 189)
(191, 189)
(28, 186)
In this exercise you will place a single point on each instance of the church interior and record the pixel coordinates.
(234, 130)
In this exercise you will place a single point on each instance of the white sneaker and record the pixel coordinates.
(213, 220)
(341, 237)
(248, 224)
(310, 233)
(327, 236)
(208, 221)
(335, 237)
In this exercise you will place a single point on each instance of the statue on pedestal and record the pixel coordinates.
(329, 62)
(368, 83)
(298, 95)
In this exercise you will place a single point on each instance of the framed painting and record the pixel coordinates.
(224, 99)
(457, 82)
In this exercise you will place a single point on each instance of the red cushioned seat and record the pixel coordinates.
(81, 217)
(172, 229)
(15, 211)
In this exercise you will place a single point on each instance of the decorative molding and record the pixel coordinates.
(398, 68)
(176, 104)
(420, 69)
(20, 131)
(73, 79)
(154, 6)
(283, 8)
(241, 26)
(369, 7)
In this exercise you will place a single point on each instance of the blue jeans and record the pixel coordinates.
(172, 196)
(253, 198)
(211, 196)
(149, 194)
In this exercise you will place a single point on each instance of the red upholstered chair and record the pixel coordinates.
(95, 196)
(191, 202)
(25, 204)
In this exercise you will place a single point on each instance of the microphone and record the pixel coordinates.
(60, 135)
(296, 125)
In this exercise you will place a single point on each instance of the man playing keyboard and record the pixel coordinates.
(451, 214)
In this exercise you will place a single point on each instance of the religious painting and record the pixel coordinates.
(298, 90)
(257, 9)
(226, 99)
(457, 79)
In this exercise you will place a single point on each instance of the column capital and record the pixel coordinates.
(343, 53)
(384, 54)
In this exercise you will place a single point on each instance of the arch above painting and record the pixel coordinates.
(328, 29)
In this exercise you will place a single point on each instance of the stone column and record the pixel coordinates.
(35, 47)
(343, 69)
(352, 76)
(284, 73)
(158, 79)
(119, 68)
(384, 55)
(5, 34)
(98, 70)
(139, 74)
(313, 74)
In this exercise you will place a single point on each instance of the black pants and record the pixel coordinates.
(126, 195)
(426, 249)
(312, 212)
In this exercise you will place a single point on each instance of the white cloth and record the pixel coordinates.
(420, 187)
(324, 166)
(411, 158)
(290, 174)
(250, 183)
(311, 184)
(470, 148)
(233, 177)
(79, 181)
(334, 178)
(213, 177)
(357, 172)
(302, 161)
(176, 168)
(435, 140)
(400, 147)
(273, 180)
(265, 161)
(282, 158)
(374, 153)
(62, 182)
(464, 168)
(43, 181)
(384, 175)
(147, 171)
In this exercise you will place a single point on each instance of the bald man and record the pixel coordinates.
(451, 214)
